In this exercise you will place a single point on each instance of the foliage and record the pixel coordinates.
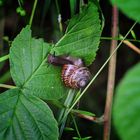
(29, 68)
(82, 35)
(28, 56)
(126, 107)
(21, 11)
(25, 117)
(23, 114)
(131, 8)
(126, 110)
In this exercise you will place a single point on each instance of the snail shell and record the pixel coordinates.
(74, 76)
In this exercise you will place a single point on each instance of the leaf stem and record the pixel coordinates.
(99, 71)
(59, 17)
(111, 76)
(33, 12)
(7, 86)
(131, 46)
(91, 118)
(76, 127)
(3, 58)
(67, 104)
(118, 38)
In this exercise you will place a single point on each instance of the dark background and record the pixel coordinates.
(94, 100)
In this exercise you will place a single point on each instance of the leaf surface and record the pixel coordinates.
(126, 111)
(28, 56)
(29, 68)
(82, 112)
(25, 117)
(131, 8)
(82, 35)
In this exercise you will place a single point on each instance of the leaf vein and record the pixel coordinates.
(33, 119)
(20, 126)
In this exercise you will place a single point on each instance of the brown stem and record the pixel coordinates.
(132, 46)
(111, 76)
(91, 118)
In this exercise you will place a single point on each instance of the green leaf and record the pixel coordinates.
(77, 138)
(30, 70)
(133, 34)
(25, 117)
(57, 103)
(21, 11)
(28, 55)
(82, 35)
(131, 8)
(68, 129)
(83, 112)
(87, 138)
(126, 111)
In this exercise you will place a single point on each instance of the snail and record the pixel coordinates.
(74, 74)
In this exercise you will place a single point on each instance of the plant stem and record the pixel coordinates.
(111, 76)
(7, 86)
(76, 127)
(59, 16)
(33, 12)
(118, 38)
(126, 42)
(3, 58)
(67, 104)
(99, 71)
(132, 46)
(19, 2)
(91, 118)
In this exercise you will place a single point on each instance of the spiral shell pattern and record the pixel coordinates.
(74, 76)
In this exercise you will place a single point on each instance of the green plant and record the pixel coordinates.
(24, 110)
(127, 105)
(35, 79)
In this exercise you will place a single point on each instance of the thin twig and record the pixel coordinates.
(33, 12)
(132, 46)
(76, 127)
(91, 118)
(111, 76)
(118, 38)
(3, 58)
(59, 16)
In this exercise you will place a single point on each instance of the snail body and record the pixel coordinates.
(74, 74)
